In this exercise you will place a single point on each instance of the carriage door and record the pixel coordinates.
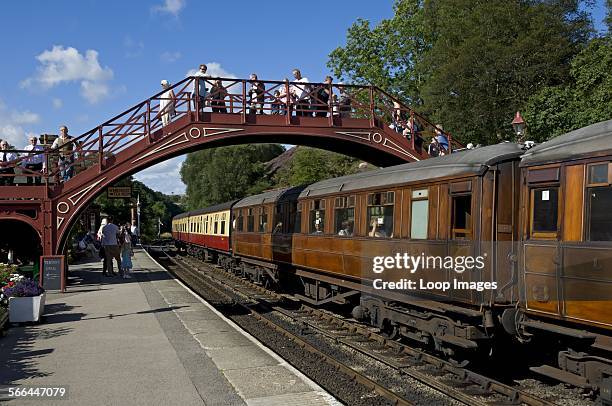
(542, 256)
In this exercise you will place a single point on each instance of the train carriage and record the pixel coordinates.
(262, 234)
(463, 204)
(566, 252)
(206, 232)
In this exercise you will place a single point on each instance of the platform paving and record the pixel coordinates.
(147, 340)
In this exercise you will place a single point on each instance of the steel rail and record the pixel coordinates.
(512, 394)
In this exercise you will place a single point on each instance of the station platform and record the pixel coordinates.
(147, 340)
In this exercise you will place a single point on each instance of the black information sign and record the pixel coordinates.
(52, 272)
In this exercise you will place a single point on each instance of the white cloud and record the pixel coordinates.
(57, 103)
(94, 91)
(12, 124)
(173, 7)
(164, 177)
(170, 57)
(66, 64)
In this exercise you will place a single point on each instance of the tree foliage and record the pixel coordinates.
(310, 165)
(217, 175)
(154, 207)
(468, 64)
(586, 99)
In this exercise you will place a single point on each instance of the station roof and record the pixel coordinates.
(270, 196)
(467, 162)
(591, 140)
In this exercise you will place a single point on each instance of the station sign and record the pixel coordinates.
(119, 192)
(52, 272)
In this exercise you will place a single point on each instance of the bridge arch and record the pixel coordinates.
(366, 123)
(23, 229)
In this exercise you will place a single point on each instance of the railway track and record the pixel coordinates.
(302, 323)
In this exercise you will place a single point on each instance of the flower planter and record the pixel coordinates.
(24, 309)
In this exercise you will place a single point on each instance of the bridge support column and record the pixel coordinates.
(49, 231)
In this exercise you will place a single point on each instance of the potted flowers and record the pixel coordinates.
(26, 299)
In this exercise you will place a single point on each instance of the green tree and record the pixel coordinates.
(310, 165)
(587, 98)
(468, 64)
(488, 57)
(386, 55)
(217, 175)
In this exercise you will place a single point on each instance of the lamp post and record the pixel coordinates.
(519, 126)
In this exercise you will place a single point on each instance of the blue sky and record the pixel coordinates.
(113, 54)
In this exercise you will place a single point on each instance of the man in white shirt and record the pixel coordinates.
(6, 164)
(201, 83)
(301, 94)
(110, 242)
(135, 233)
(35, 161)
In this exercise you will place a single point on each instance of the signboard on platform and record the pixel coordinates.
(119, 192)
(52, 272)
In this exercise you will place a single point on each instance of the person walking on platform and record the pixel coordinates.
(101, 252)
(6, 156)
(135, 233)
(112, 250)
(34, 161)
(126, 251)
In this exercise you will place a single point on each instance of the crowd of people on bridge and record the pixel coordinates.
(33, 160)
(301, 97)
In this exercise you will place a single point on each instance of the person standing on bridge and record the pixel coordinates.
(167, 103)
(301, 94)
(65, 148)
(201, 77)
(322, 94)
(6, 168)
(218, 93)
(112, 250)
(35, 160)
(257, 95)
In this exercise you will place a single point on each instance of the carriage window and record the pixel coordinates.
(317, 217)
(599, 215)
(263, 219)
(419, 219)
(250, 221)
(345, 216)
(380, 214)
(598, 174)
(545, 205)
(222, 227)
(216, 223)
(462, 217)
(279, 218)
(297, 222)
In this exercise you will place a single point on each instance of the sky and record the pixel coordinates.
(80, 63)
